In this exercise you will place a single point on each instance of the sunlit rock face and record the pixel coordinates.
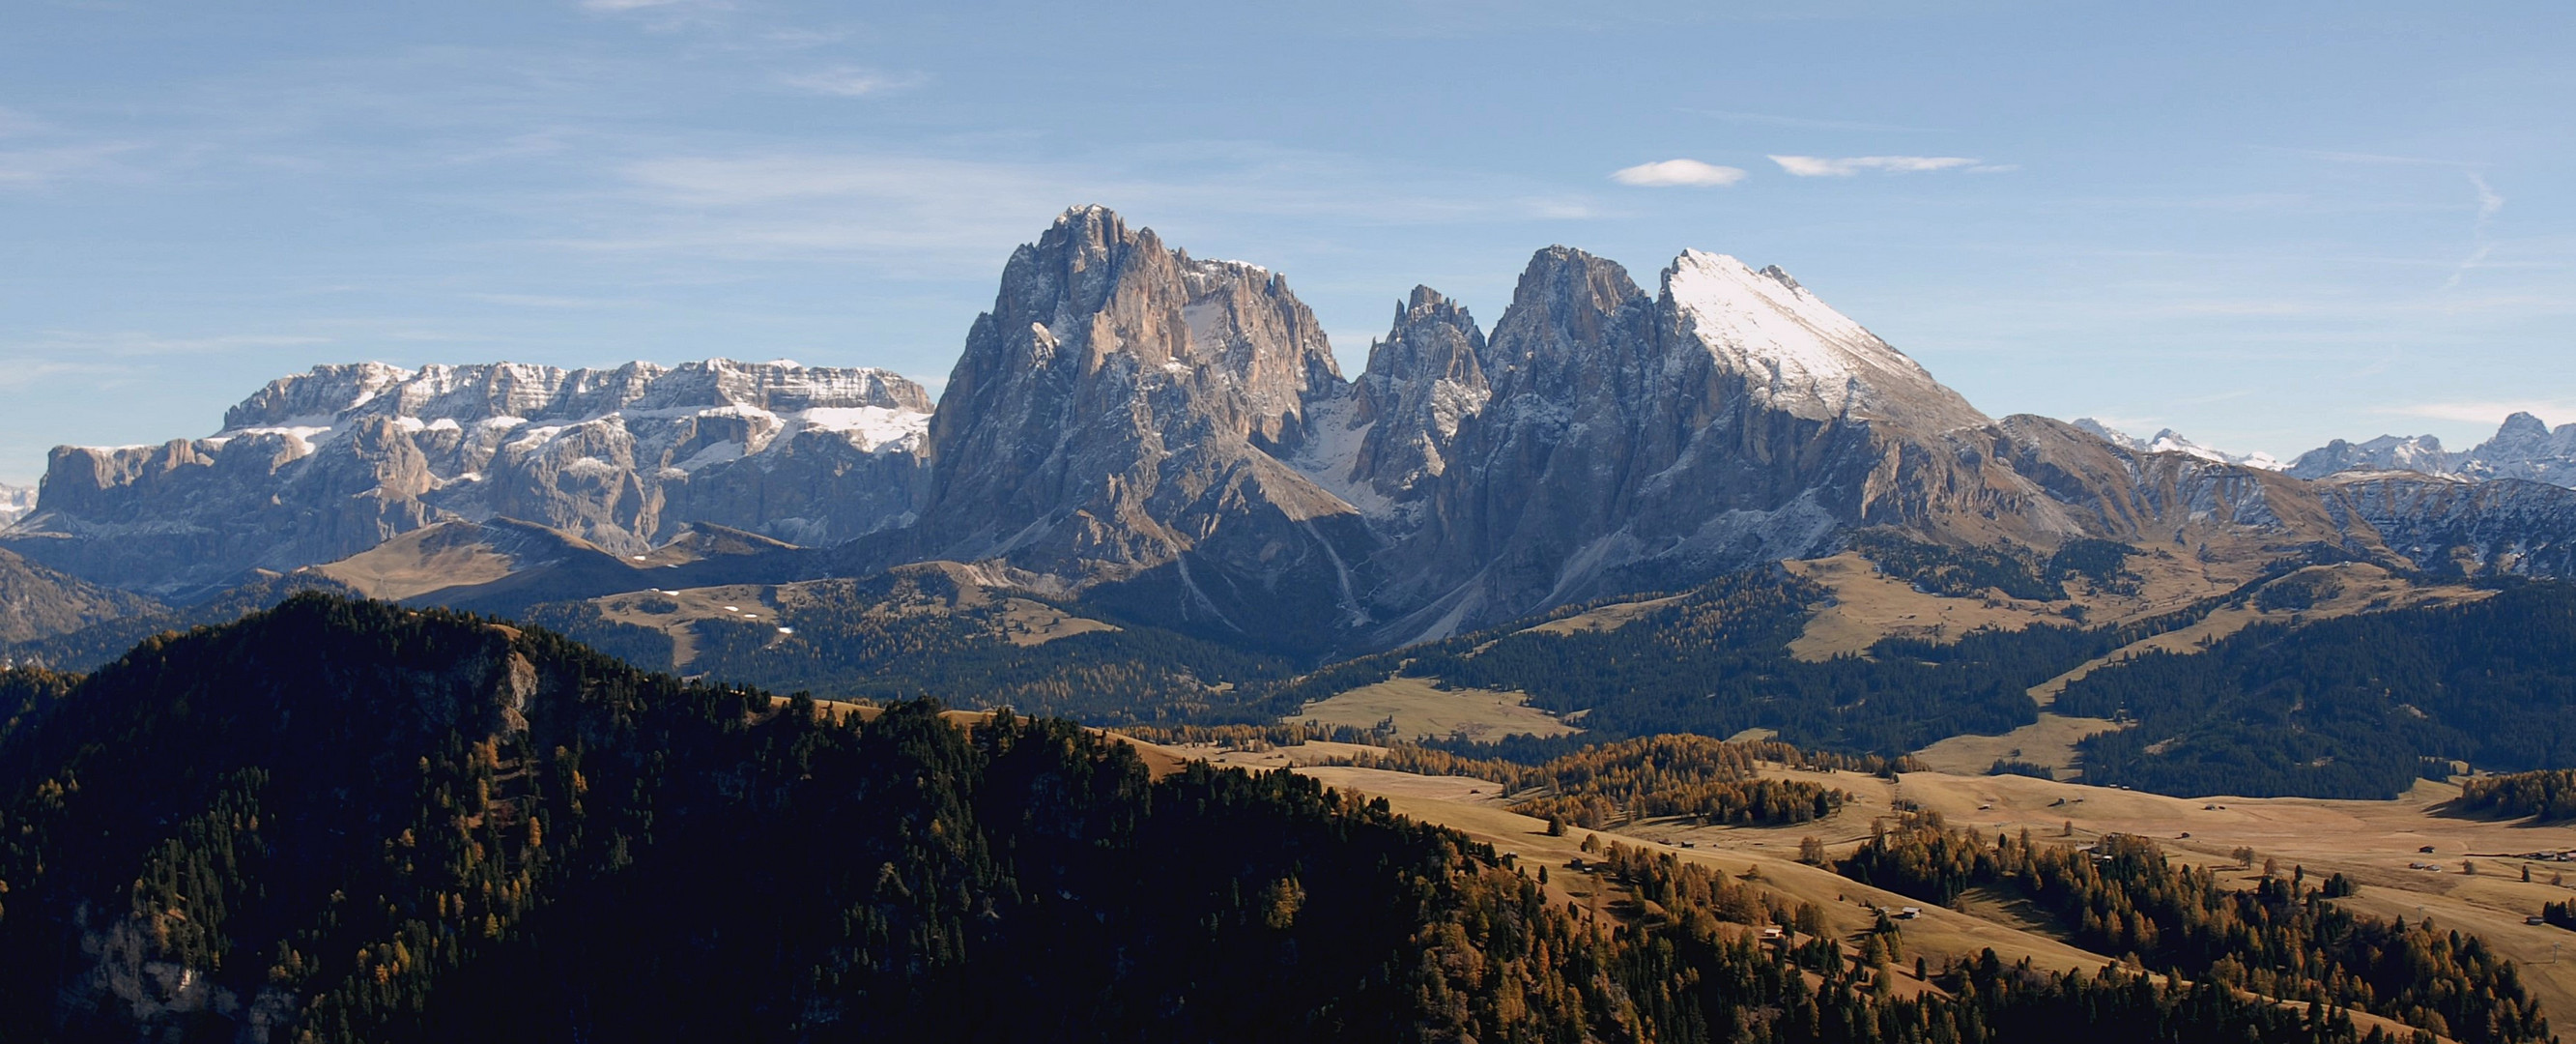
(325, 464)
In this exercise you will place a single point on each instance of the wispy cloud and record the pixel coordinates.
(850, 81)
(1770, 120)
(962, 211)
(2483, 412)
(1678, 173)
(551, 301)
(77, 344)
(40, 167)
(13, 122)
(1824, 167)
(2377, 159)
(24, 374)
(2489, 203)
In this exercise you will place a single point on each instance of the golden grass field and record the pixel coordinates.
(2371, 841)
(1421, 708)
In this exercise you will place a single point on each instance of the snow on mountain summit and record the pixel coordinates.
(15, 501)
(1803, 356)
(2168, 440)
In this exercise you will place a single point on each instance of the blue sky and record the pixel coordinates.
(2264, 225)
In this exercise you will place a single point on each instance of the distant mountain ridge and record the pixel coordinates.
(2525, 447)
(2168, 440)
(326, 464)
(1169, 438)
(15, 503)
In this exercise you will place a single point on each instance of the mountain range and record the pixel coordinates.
(15, 502)
(2525, 447)
(1169, 439)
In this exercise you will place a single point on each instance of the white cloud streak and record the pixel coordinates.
(850, 81)
(1678, 173)
(1825, 167)
(2483, 412)
(1800, 121)
(2489, 203)
(40, 167)
(966, 212)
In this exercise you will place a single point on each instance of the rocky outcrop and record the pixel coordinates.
(1114, 420)
(1635, 441)
(1380, 446)
(323, 465)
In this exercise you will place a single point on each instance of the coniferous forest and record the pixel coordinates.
(2352, 707)
(2280, 938)
(342, 821)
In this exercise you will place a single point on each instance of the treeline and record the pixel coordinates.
(1709, 780)
(2279, 939)
(911, 635)
(1258, 737)
(2548, 794)
(1958, 572)
(344, 822)
(2350, 707)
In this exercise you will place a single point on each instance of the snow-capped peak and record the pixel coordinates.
(1802, 355)
(2167, 440)
(15, 502)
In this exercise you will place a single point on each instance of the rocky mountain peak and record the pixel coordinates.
(2521, 427)
(1568, 306)
(1799, 354)
(1380, 447)
(2167, 440)
(1117, 400)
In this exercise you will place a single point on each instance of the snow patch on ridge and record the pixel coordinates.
(2171, 441)
(1799, 354)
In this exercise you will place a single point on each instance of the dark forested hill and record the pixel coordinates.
(342, 821)
(2349, 707)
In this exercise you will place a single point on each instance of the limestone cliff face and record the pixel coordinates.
(1633, 440)
(1114, 419)
(1423, 381)
(326, 464)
